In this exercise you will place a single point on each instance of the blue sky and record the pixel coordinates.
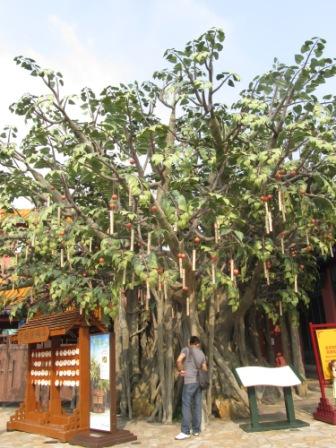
(101, 42)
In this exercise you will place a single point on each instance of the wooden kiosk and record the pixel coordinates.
(58, 361)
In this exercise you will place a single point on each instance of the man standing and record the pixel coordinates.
(189, 361)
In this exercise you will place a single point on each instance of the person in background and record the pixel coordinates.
(332, 366)
(189, 361)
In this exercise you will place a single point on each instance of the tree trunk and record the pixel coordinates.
(133, 327)
(268, 340)
(169, 362)
(254, 334)
(296, 351)
(211, 331)
(285, 343)
(125, 404)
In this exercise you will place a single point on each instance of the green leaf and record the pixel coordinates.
(299, 58)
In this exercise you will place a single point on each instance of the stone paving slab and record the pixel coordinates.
(218, 433)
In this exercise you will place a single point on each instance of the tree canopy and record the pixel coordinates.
(123, 198)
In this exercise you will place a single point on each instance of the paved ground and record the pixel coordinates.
(224, 434)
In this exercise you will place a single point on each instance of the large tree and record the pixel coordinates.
(208, 224)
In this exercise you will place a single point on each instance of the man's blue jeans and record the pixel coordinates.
(191, 408)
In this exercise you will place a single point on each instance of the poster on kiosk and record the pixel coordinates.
(100, 382)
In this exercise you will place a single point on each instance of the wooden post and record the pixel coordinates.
(30, 399)
(113, 391)
(55, 407)
(84, 385)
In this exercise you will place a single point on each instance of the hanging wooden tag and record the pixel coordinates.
(267, 223)
(149, 242)
(296, 283)
(282, 242)
(232, 269)
(62, 258)
(90, 244)
(147, 290)
(213, 273)
(33, 239)
(130, 198)
(216, 232)
(194, 260)
(165, 290)
(132, 240)
(188, 306)
(183, 276)
(266, 273)
(283, 209)
(280, 308)
(280, 204)
(270, 221)
(181, 266)
(331, 249)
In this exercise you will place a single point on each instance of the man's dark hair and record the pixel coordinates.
(194, 340)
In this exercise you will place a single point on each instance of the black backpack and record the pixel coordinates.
(202, 375)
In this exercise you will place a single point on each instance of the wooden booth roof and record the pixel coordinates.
(41, 328)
